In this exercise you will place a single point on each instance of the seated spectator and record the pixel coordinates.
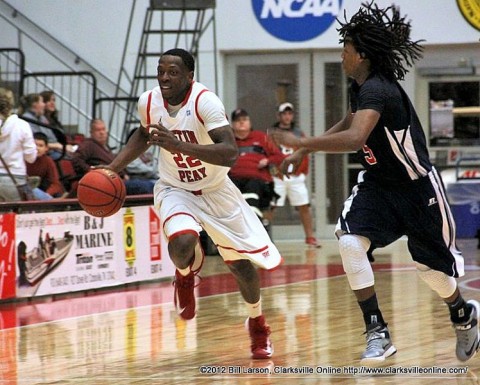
(143, 171)
(251, 172)
(94, 151)
(32, 109)
(16, 148)
(51, 112)
(45, 168)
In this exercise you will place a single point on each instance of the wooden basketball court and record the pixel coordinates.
(133, 336)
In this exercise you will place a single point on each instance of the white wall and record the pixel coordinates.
(96, 30)
(438, 22)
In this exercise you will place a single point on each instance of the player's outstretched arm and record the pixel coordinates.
(136, 145)
(348, 135)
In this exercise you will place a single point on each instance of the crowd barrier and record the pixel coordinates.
(53, 248)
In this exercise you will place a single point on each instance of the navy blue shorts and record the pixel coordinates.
(419, 210)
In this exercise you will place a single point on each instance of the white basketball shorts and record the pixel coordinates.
(225, 215)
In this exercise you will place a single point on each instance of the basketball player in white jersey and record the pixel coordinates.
(197, 149)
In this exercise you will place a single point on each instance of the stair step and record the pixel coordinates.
(150, 54)
(146, 77)
(171, 31)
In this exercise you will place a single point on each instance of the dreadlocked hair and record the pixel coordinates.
(382, 38)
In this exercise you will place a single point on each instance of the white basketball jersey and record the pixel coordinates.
(201, 111)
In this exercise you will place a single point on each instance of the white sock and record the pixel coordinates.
(185, 271)
(254, 309)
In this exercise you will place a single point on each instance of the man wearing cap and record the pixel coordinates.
(294, 188)
(251, 172)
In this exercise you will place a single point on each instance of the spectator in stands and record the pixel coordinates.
(45, 168)
(94, 151)
(143, 171)
(51, 112)
(251, 172)
(32, 109)
(16, 148)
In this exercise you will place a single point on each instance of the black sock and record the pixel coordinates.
(371, 312)
(459, 310)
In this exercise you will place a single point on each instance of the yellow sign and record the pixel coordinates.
(129, 236)
(470, 10)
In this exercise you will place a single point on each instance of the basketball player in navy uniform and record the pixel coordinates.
(399, 192)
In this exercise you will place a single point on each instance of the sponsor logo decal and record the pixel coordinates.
(470, 10)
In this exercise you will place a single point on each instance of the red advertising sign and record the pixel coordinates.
(7, 256)
(155, 234)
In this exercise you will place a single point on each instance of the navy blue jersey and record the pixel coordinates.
(396, 150)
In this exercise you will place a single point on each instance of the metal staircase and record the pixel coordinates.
(168, 24)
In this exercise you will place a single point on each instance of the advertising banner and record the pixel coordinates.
(7, 256)
(142, 252)
(70, 251)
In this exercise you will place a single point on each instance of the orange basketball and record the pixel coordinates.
(101, 192)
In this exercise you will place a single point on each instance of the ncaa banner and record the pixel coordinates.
(296, 20)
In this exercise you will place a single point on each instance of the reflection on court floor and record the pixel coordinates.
(133, 335)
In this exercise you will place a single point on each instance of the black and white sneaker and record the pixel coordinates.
(379, 345)
(468, 334)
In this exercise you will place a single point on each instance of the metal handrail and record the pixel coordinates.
(77, 60)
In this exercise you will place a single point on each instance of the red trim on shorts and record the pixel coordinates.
(179, 213)
(229, 262)
(182, 232)
(149, 103)
(244, 251)
(196, 106)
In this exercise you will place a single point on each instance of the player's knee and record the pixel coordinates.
(181, 248)
(353, 250)
(438, 281)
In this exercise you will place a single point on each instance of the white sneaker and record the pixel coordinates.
(379, 345)
(467, 333)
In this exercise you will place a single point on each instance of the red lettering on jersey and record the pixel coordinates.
(190, 137)
(369, 158)
(185, 136)
(192, 175)
(186, 161)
